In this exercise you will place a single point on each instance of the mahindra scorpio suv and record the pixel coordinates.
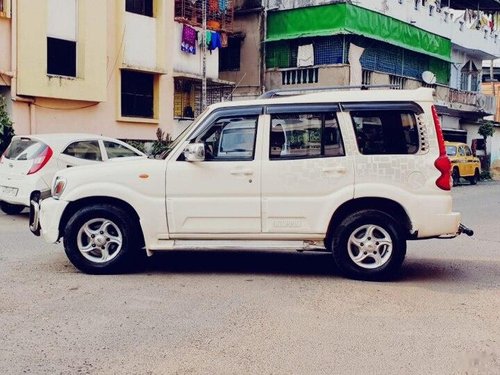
(353, 173)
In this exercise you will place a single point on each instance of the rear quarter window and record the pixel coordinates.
(386, 132)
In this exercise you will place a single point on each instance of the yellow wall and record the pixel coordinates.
(493, 89)
(90, 83)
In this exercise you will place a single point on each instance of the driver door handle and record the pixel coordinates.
(338, 170)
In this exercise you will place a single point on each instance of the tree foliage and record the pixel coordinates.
(486, 129)
(6, 129)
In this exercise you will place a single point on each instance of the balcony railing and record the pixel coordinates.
(220, 13)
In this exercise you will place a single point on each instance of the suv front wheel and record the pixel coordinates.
(369, 245)
(101, 239)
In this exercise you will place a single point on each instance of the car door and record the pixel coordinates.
(462, 162)
(82, 152)
(470, 161)
(220, 195)
(306, 173)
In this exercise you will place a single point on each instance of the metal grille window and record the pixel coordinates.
(143, 7)
(137, 94)
(329, 50)
(220, 13)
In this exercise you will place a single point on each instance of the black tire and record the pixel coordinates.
(11, 209)
(343, 249)
(474, 179)
(455, 175)
(122, 258)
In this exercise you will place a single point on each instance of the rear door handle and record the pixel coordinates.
(241, 172)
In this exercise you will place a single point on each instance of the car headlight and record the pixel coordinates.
(58, 187)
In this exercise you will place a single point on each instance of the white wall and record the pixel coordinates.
(189, 63)
(139, 42)
(448, 122)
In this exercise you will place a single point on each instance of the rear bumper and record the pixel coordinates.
(440, 225)
(19, 191)
(49, 216)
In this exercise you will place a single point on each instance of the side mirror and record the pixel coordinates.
(195, 152)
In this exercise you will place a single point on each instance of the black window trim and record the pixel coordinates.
(382, 106)
(318, 109)
(255, 111)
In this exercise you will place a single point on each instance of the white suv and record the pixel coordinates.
(354, 173)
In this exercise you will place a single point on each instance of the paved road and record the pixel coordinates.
(256, 313)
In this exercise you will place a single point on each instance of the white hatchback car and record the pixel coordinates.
(30, 162)
(353, 173)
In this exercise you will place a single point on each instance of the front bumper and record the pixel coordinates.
(45, 218)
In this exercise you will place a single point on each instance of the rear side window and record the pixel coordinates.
(88, 150)
(305, 135)
(116, 150)
(24, 149)
(387, 132)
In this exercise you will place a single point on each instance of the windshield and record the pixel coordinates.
(180, 137)
(451, 150)
(24, 149)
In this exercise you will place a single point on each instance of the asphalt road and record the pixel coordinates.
(256, 313)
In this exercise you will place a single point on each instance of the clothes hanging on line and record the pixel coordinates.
(188, 43)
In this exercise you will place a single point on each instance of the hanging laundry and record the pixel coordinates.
(208, 38)
(188, 43)
(305, 55)
(222, 5)
(215, 42)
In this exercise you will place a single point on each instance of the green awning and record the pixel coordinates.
(336, 19)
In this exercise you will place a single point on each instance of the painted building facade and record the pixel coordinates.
(105, 67)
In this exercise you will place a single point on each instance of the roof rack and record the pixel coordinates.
(292, 92)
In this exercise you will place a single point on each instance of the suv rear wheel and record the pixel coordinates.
(369, 245)
(101, 239)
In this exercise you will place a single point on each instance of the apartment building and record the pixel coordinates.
(401, 43)
(116, 68)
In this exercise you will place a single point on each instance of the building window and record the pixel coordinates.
(229, 58)
(184, 99)
(61, 57)
(137, 94)
(2, 6)
(469, 77)
(143, 7)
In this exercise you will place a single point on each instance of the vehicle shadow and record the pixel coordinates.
(414, 270)
(242, 262)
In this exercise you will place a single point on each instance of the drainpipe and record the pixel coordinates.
(13, 67)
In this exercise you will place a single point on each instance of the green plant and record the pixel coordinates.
(6, 129)
(162, 142)
(486, 129)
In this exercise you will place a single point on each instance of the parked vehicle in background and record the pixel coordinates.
(464, 164)
(30, 162)
(354, 173)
